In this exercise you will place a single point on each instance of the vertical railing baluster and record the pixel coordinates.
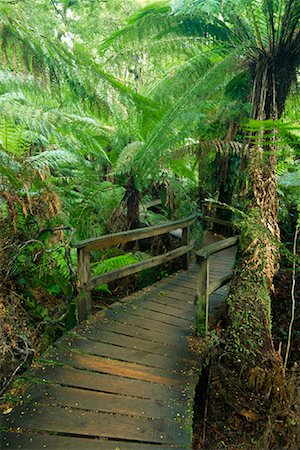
(84, 277)
(202, 297)
(186, 241)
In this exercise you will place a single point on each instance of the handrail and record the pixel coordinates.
(87, 283)
(204, 288)
(216, 247)
(133, 235)
(139, 266)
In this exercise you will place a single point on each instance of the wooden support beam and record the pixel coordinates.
(226, 223)
(202, 299)
(185, 242)
(84, 275)
(219, 283)
(204, 289)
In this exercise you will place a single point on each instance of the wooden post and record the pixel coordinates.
(84, 276)
(202, 297)
(186, 241)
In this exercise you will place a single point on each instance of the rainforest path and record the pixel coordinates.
(125, 379)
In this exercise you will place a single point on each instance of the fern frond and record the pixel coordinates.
(114, 263)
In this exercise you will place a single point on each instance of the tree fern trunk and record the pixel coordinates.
(132, 197)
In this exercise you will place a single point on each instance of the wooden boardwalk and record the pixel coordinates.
(123, 380)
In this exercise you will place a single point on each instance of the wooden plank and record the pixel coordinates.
(107, 383)
(55, 395)
(133, 235)
(130, 342)
(111, 366)
(177, 321)
(169, 309)
(30, 441)
(210, 249)
(191, 292)
(218, 284)
(185, 308)
(156, 291)
(117, 352)
(184, 299)
(132, 329)
(148, 324)
(219, 221)
(139, 266)
(89, 423)
(190, 284)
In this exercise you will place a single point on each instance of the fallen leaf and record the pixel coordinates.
(251, 416)
(7, 411)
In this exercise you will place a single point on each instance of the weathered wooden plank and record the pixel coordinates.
(183, 298)
(148, 324)
(183, 285)
(170, 310)
(89, 423)
(30, 441)
(184, 290)
(218, 284)
(132, 342)
(133, 235)
(159, 316)
(182, 302)
(55, 395)
(121, 353)
(107, 383)
(185, 308)
(115, 367)
(132, 329)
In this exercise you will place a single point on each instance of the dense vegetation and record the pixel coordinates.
(185, 101)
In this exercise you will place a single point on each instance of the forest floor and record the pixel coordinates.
(239, 420)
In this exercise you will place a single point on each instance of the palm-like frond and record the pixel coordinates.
(178, 123)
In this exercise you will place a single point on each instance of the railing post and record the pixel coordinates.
(84, 276)
(186, 241)
(202, 297)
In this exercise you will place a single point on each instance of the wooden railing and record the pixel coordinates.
(84, 248)
(204, 287)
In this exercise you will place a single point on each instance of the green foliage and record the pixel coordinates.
(114, 263)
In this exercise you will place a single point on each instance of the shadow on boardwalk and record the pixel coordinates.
(124, 380)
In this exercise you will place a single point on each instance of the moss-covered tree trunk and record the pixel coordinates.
(250, 315)
(248, 372)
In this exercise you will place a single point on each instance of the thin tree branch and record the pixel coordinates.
(293, 298)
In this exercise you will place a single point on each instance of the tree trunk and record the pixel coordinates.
(250, 305)
(227, 177)
(132, 197)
